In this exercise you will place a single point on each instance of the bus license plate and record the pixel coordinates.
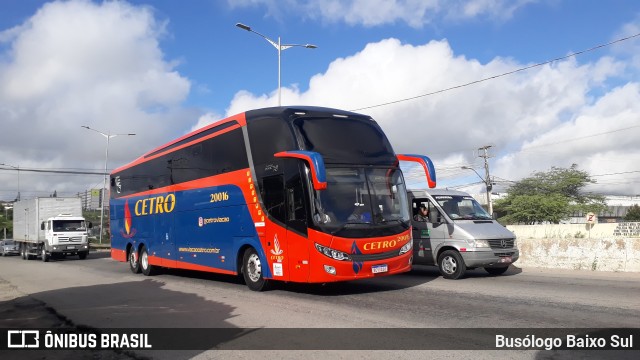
(376, 269)
(505, 259)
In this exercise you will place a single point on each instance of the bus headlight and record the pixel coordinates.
(406, 248)
(334, 254)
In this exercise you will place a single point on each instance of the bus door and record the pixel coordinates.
(287, 246)
(297, 225)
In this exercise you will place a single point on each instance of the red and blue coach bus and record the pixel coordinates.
(300, 194)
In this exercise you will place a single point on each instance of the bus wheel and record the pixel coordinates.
(252, 271)
(496, 270)
(147, 268)
(451, 265)
(45, 257)
(134, 261)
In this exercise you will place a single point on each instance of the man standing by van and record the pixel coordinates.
(421, 233)
(423, 214)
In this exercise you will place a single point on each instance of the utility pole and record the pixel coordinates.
(487, 180)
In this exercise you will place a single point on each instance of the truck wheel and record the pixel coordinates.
(134, 261)
(147, 268)
(43, 253)
(252, 271)
(451, 265)
(23, 251)
(496, 270)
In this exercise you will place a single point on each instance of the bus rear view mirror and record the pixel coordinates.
(427, 165)
(315, 161)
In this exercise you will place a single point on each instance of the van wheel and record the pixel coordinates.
(134, 261)
(451, 265)
(147, 268)
(496, 270)
(252, 271)
(43, 253)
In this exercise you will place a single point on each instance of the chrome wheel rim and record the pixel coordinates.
(144, 260)
(449, 265)
(254, 268)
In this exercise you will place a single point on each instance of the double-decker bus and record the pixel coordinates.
(300, 194)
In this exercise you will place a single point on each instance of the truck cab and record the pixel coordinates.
(452, 231)
(65, 235)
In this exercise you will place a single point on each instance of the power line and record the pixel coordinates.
(53, 171)
(501, 75)
(579, 138)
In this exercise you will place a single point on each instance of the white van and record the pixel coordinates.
(456, 233)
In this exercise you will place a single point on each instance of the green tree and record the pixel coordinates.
(549, 196)
(633, 214)
(6, 222)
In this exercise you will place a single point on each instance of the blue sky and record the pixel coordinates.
(203, 68)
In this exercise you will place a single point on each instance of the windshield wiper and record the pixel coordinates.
(349, 223)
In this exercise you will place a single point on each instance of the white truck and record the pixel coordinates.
(47, 227)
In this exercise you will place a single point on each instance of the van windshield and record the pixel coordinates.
(462, 207)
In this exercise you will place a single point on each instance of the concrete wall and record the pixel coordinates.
(597, 247)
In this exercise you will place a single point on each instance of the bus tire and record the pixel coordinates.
(43, 253)
(496, 270)
(451, 265)
(147, 269)
(134, 261)
(252, 271)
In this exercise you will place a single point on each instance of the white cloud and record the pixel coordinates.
(415, 13)
(78, 63)
(550, 103)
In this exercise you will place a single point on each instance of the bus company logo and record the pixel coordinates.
(357, 265)
(276, 252)
(128, 231)
(276, 246)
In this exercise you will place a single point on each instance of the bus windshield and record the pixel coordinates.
(361, 198)
(460, 207)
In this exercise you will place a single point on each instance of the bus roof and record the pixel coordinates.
(241, 119)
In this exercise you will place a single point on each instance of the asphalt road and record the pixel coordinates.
(101, 293)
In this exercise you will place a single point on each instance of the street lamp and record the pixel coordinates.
(104, 184)
(488, 185)
(17, 168)
(280, 47)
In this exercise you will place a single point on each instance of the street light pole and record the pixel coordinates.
(280, 47)
(488, 186)
(104, 183)
(488, 179)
